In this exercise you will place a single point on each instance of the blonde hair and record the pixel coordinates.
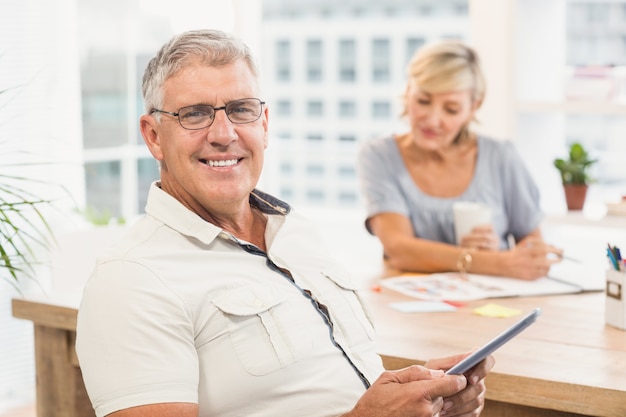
(445, 66)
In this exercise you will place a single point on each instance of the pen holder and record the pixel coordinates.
(615, 305)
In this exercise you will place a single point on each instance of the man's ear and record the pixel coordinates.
(149, 131)
(265, 127)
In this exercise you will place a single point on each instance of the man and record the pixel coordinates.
(221, 301)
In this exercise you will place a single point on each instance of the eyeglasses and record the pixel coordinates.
(201, 116)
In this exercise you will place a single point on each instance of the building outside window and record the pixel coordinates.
(314, 60)
(412, 45)
(381, 109)
(315, 170)
(347, 138)
(283, 60)
(316, 195)
(283, 108)
(314, 137)
(286, 168)
(315, 108)
(347, 171)
(347, 60)
(381, 62)
(348, 197)
(347, 109)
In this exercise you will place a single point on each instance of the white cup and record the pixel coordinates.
(468, 215)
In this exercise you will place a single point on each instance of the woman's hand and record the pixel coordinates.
(482, 238)
(531, 258)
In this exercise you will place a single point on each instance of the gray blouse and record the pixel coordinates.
(500, 180)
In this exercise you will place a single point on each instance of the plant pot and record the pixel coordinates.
(575, 195)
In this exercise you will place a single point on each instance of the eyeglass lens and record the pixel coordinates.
(202, 115)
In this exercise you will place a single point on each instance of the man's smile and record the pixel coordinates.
(220, 162)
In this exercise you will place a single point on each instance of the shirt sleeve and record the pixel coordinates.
(128, 319)
(378, 171)
(521, 194)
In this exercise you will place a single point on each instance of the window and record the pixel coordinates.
(147, 172)
(315, 196)
(286, 193)
(315, 108)
(314, 60)
(381, 109)
(315, 170)
(347, 197)
(381, 60)
(314, 137)
(412, 45)
(286, 168)
(347, 138)
(347, 171)
(105, 107)
(103, 182)
(347, 60)
(283, 108)
(593, 34)
(283, 60)
(347, 109)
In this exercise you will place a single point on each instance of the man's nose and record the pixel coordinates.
(222, 130)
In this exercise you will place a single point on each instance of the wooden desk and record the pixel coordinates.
(567, 364)
(60, 388)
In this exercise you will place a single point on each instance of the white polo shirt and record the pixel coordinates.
(180, 311)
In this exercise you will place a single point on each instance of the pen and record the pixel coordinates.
(612, 259)
(569, 258)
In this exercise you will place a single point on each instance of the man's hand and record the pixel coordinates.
(410, 392)
(471, 400)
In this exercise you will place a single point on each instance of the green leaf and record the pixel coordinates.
(575, 169)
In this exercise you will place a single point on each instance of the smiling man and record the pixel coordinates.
(221, 301)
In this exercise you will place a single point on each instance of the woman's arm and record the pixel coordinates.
(406, 252)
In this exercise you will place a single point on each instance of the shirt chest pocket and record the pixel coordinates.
(263, 329)
(352, 315)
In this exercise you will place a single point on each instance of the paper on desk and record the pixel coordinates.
(453, 286)
(422, 306)
(589, 276)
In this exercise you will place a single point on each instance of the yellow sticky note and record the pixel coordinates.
(495, 310)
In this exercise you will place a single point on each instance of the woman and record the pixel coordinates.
(411, 180)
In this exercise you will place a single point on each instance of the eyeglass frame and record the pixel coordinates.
(215, 109)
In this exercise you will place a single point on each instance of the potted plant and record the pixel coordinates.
(575, 175)
(23, 228)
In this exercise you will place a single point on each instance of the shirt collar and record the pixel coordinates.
(268, 204)
(175, 215)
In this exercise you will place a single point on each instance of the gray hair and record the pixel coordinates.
(212, 48)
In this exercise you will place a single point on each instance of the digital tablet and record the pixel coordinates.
(473, 359)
